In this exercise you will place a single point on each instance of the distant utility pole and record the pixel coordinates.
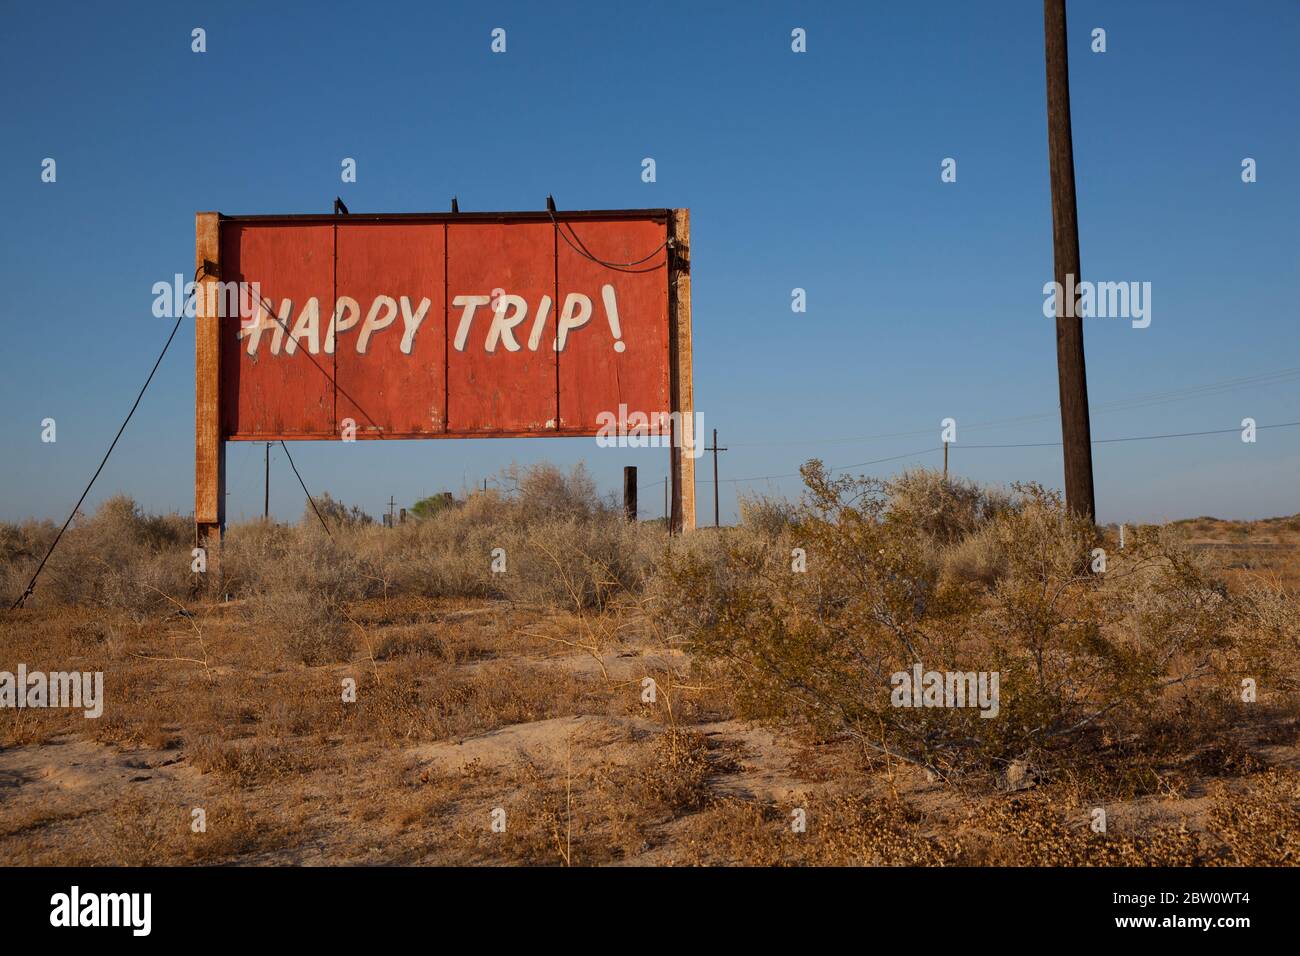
(945, 461)
(1076, 431)
(266, 494)
(715, 449)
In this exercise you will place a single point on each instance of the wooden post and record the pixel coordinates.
(1076, 431)
(682, 453)
(629, 492)
(209, 445)
(945, 461)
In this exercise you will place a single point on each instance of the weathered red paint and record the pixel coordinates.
(594, 377)
(385, 389)
(510, 391)
(437, 390)
(282, 396)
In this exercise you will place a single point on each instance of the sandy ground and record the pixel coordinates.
(355, 796)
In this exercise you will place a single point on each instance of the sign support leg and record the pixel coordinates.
(209, 446)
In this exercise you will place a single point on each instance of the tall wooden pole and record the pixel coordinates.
(683, 450)
(266, 492)
(1076, 431)
(209, 442)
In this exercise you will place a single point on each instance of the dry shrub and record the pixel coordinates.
(445, 555)
(119, 557)
(22, 545)
(1260, 826)
(1037, 830)
(841, 831)
(309, 627)
(334, 513)
(1079, 654)
(943, 509)
(978, 558)
(674, 777)
(298, 582)
(565, 547)
(588, 815)
(1266, 632)
(766, 514)
(245, 763)
(142, 832)
(543, 492)
(424, 698)
(576, 565)
(260, 557)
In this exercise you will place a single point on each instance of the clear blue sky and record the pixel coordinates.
(818, 170)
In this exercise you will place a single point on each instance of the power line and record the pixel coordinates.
(31, 585)
(582, 250)
(1143, 400)
(310, 500)
(795, 474)
(1107, 441)
(1039, 444)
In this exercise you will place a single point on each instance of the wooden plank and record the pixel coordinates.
(682, 389)
(209, 446)
(501, 390)
(398, 385)
(282, 387)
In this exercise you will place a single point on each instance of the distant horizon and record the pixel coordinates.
(646, 514)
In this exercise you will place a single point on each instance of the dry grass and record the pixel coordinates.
(526, 692)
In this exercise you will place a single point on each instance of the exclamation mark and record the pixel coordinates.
(611, 313)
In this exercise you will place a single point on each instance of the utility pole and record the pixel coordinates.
(1076, 432)
(266, 494)
(945, 461)
(715, 449)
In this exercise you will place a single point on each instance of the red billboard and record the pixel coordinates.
(387, 327)
(441, 325)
